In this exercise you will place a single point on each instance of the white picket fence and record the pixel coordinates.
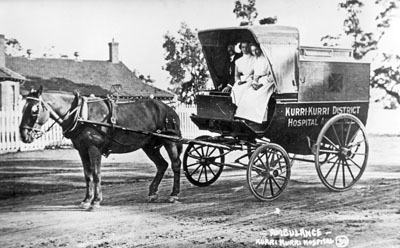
(10, 138)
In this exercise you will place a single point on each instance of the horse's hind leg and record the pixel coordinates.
(88, 178)
(174, 150)
(154, 154)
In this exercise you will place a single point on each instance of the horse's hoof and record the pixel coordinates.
(152, 198)
(85, 205)
(173, 199)
(94, 206)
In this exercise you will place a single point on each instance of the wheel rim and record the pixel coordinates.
(268, 172)
(344, 139)
(203, 164)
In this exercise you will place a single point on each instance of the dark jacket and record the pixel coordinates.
(229, 75)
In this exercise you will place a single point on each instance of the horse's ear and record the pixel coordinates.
(40, 90)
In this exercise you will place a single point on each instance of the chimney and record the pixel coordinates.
(113, 46)
(2, 51)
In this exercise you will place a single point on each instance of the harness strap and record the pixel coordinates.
(84, 114)
(113, 111)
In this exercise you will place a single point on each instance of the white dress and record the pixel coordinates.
(254, 103)
(244, 66)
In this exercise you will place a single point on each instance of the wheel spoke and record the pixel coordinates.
(354, 136)
(272, 188)
(208, 148)
(259, 184)
(190, 165)
(265, 187)
(195, 149)
(355, 163)
(348, 168)
(337, 137)
(333, 144)
(258, 169)
(262, 162)
(276, 184)
(258, 158)
(193, 156)
(191, 174)
(201, 172)
(212, 151)
(205, 173)
(211, 170)
(202, 151)
(331, 168)
(348, 133)
(280, 177)
(268, 155)
(337, 171)
(343, 175)
(279, 163)
(276, 161)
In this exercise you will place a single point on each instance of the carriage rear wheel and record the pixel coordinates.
(344, 139)
(203, 164)
(268, 172)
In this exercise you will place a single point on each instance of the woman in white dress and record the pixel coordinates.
(243, 73)
(254, 102)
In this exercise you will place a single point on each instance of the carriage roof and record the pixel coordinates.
(261, 34)
(279, 43)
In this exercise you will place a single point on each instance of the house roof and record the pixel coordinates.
(86, 76)
(7, 74)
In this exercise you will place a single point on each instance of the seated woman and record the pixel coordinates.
(243, 73)
(254, 102)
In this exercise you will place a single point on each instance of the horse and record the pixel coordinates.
(100, 126)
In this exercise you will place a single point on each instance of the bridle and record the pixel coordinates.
(36, 130)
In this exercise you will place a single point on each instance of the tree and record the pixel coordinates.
(364, 42)
(246, 12)
(387, 77)
(13, 47)
(185, 63)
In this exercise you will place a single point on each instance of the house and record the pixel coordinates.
(9, 82)
(86, 76)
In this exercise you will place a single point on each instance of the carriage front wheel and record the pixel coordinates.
(344, 139)
(268, 172)
(203, 164)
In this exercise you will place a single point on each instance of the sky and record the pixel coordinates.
(87, 26)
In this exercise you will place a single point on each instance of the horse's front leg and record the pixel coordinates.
(95, 164)
(88, 178)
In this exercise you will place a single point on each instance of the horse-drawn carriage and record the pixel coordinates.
(319, 108)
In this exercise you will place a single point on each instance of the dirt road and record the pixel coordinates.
(40, 193)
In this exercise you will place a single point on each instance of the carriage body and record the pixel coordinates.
(313, 85)
(319, 109)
